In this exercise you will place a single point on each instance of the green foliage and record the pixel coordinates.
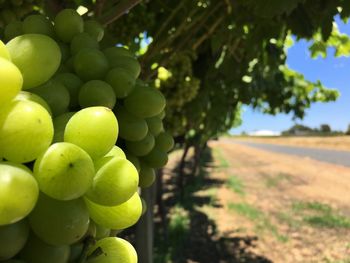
(236, 185)
(320, 215)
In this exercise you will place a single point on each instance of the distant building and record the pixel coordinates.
(264, 133)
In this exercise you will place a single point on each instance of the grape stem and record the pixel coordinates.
(88, 242)
(117, 11)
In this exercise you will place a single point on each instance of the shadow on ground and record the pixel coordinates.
(190, 235)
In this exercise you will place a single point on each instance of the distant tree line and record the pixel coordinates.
(324, 129)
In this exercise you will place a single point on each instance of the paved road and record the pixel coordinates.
(330, 156)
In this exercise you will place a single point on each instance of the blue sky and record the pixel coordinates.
(332, 72)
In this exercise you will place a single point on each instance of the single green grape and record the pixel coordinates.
(59, 222)
(37, 57)
(113, 249)
(68, 23)
(142, 147)
(147, 175)
(94, 129)
(116, 217)
(132, 128)
(116, 180)
(38, 24)
(97, 93)
(16, 181)
(164, 141)
(156, 158)
(64, 171)
(155, 125)
(26, 130)
(145, 102)
(121, 81)
(90, 64)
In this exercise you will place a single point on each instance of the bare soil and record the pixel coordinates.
(271, 184)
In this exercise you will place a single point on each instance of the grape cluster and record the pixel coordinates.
(79, 134)
(13, 10)
(180, 86)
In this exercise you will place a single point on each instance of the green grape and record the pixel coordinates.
(116, 180)
(116, 217)
(94, 129)
(18, 192)
(75, 252)
(144, 102)
(10, 81)
(37, 251)
(59, 124)
(116, 152)
(82, 41)
(97, 93)
(102, 232)
(13, 238)
(13, 30)
(121, 81)
(156, 158)
(68, 23)
(130, 64)
(135, 161)
(38, 24)
(26, 130)
(113, 53)
(37, 57)
(155, 125)
(94, 29)
(90, 64)
(147, 176)
(142, 147)
(64, 171)
(55, 94)
(73, 85)
(59, 222)
(4, 53)
(164, 141)
(113, 249)
(132, 128)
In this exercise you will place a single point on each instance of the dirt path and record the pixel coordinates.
(296, 207)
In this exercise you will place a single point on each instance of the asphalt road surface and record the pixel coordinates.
(323, 155)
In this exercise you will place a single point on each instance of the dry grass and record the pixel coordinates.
(332, 143)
